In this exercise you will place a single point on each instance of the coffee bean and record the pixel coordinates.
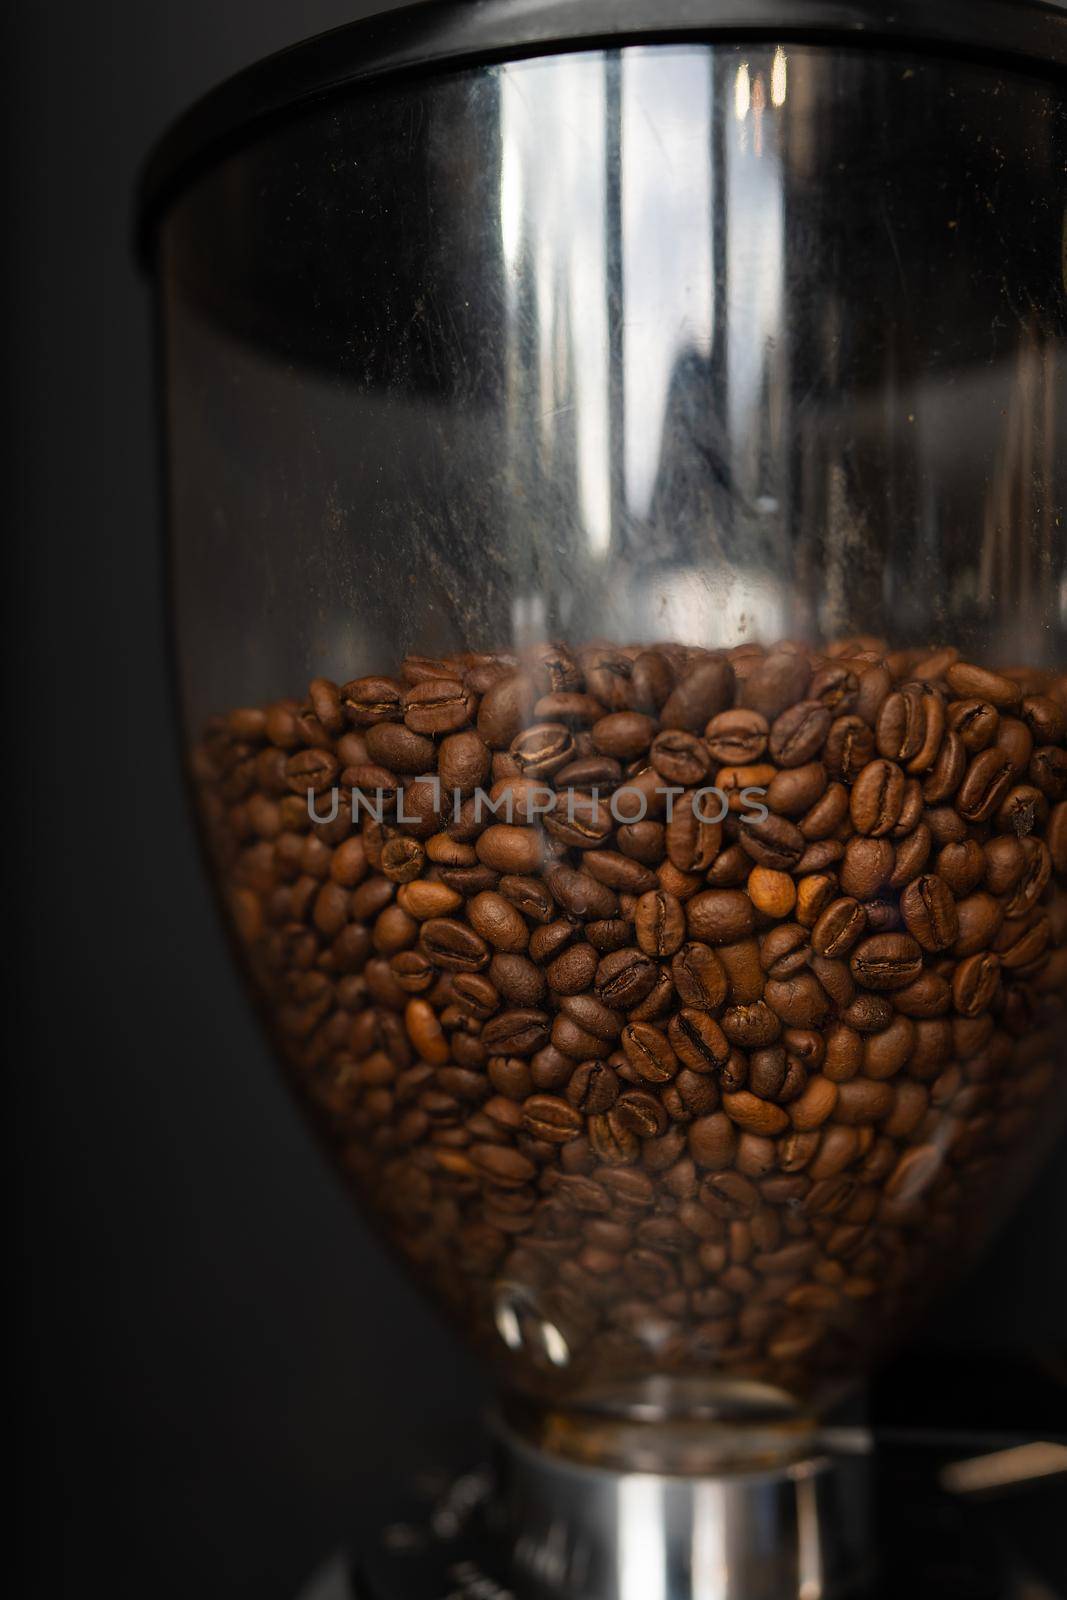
(877, 798)
(795, 792)
(975, 983)
(593, 1088)
(778, 681)
(573, 970)
(886, 961)
(580, 894)
(736, 738)
(680, 758)
(399, 748)
(985, 783)
(729, 1195)
(910, 726)
(517, 979)
(773, 842)
(369, 700)
(452, 945)
(718, 916)
(506, 707)
(519, 1032)
(978, 920)
(967, 680)
(699, 977)
(754, 1114)
(638, 1113)
(848, 748)
(623, 734)
(863, 1100)
(437, 705)
(507, 848)
(659, 923)
(649, 1052)
(697, 1040)
(591, 1015)
(548, 1117)
(612, 1051)
(713, 1141)
(838, 928)
(497, 921)
(700, 695)
(867, 867)
(798, 733)
(930, 913)
(625, 978)
(750, 1026)
(612, 1143)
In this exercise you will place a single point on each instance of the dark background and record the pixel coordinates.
(211, 1347)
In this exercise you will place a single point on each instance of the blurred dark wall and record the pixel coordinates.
(211, 1344)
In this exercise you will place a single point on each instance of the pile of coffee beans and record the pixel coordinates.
(675, 1010)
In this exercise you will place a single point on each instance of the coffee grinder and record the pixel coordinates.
(576, 354)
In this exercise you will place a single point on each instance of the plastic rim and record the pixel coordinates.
(452, 33)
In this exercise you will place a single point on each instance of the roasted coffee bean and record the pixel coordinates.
(365, 701)
(573, 970)
(593, 1087)
(659, 923)
(649, 1052)
(699, 977)
(866, 867)
(877, 799)
(930, 913)
(785, 950)
(798, 734)
(773, 842)
(516, 1033)
(750, 1026)
(978, 920)
(453, 945)
(713, 1142)
(579, 893)
(838, 928)
(498, 922)
(965, 680)
(506, 707)
(697, 1040)
(974, 983)
(759, 1070)
(636, 1112)
(910, 726)
(548, 1117)
(437, 705)
(777, 681)
(518, 980)
(737, 737)
(624, 978)
(772, 893)
(848, 748)
(794, 792)
(985, 784)
(698, 696)
(718, 916)
(680, 758)
(886, 961)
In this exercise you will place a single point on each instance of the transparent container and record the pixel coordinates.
(618, 504)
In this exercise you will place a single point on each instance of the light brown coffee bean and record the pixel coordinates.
(755, 1115)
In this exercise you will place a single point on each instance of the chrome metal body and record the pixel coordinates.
(585, 1533)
